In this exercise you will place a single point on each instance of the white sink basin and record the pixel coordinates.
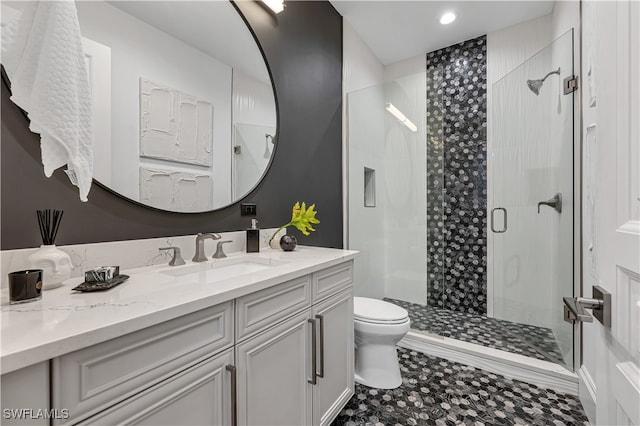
(225, 268)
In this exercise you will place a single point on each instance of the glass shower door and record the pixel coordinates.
(532, 209)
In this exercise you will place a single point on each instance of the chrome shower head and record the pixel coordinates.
(535, 85)
(268, 138)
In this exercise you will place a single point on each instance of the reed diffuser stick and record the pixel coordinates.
(49, 223)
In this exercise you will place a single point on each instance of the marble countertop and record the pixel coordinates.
(64, 320)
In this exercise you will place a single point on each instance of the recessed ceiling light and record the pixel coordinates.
(447, 18)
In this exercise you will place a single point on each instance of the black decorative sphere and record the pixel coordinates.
(288, 242)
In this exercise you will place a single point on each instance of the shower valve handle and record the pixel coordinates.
(555, 202)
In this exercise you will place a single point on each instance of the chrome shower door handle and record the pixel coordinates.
(493, 228)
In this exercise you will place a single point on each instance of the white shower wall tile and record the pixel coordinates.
(129, 254)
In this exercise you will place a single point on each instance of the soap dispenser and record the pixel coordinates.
(253, 237)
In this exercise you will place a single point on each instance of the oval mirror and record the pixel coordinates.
(184, 110)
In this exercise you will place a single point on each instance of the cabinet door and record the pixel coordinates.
(334, 388)
(274, 370)
(25, 396)
(200, 395)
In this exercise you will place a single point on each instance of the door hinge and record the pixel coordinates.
(237, 149)
(570, 84)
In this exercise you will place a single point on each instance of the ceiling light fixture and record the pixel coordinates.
(447, 18)
(400, 116)
(276, 5)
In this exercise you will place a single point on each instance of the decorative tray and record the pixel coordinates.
(106, 285)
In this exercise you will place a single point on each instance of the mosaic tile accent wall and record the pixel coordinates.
(457, 177)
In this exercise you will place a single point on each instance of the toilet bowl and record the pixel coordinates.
(378, 326)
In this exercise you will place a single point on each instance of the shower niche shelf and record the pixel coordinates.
(369, 187)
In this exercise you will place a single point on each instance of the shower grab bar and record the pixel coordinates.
(493, 228)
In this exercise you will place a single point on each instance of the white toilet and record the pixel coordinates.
(378, 325)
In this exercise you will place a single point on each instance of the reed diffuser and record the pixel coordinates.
(55, 264)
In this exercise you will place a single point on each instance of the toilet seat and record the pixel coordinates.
(374, 311)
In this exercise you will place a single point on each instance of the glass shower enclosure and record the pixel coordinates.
(420, 251)
(533, 198)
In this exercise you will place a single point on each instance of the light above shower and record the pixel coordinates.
(447, 18)
(535, 85)
(400, 116)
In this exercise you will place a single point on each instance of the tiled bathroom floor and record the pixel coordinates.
(435, 391)
(528, 340)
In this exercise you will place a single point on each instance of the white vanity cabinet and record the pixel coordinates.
(280, 354)
(281, 380)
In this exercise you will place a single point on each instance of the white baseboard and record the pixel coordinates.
(587, 389)
(540, 373)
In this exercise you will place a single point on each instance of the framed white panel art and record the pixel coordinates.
(172, 189)
(174, 125)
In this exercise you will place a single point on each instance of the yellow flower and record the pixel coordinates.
(302, 218)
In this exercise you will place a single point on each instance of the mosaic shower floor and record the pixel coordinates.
(435, 391)
(522, 339)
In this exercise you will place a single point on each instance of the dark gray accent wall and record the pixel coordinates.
(303, 49)
(457, 177)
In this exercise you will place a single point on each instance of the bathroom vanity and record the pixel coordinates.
(253, 339)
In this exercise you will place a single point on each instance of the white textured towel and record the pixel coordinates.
(42, 55)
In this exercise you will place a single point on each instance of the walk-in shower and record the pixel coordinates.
(472, 228)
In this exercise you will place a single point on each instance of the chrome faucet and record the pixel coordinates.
(200, 256)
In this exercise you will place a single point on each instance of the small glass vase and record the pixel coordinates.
(274, 243)
(55, 264)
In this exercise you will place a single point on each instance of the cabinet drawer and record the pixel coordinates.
(91, 379)
(332, 280)
(200, 395)
(265, 308)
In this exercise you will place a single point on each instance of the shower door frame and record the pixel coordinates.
(577, 192)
